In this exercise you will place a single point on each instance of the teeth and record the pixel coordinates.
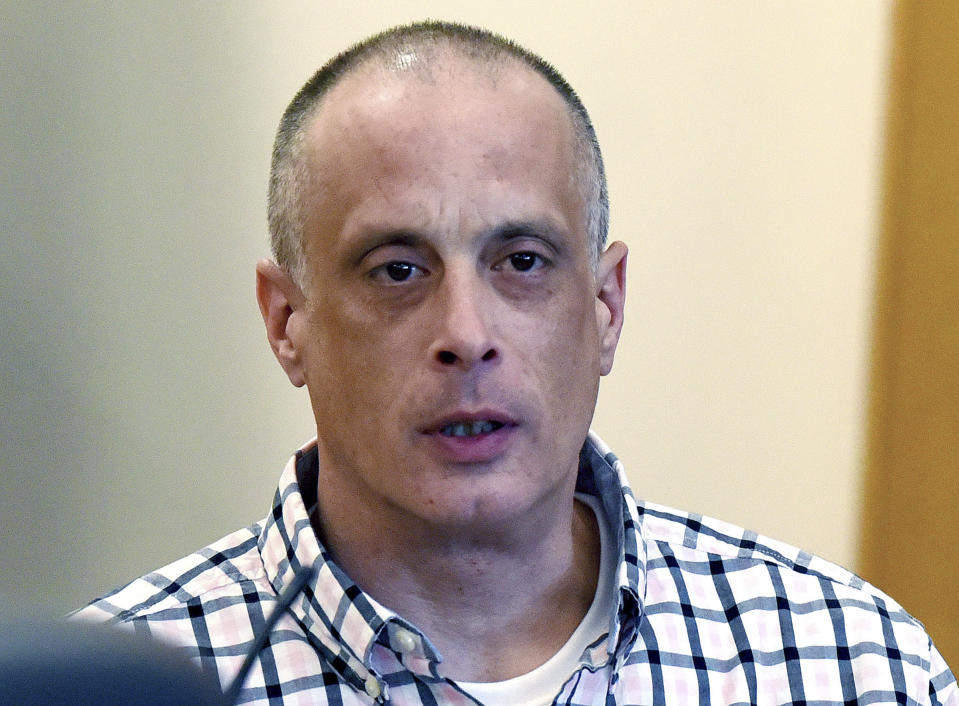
(484, 426)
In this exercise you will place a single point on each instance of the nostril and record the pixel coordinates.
(446, 357)
(489, 355)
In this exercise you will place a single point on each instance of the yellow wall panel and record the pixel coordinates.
(911, 520)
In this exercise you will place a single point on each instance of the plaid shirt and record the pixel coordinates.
(707, 613)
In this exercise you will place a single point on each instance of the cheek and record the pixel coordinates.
(335, 367)
(357, 366)
(564, 349)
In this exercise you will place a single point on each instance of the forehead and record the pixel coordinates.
(490, 109)
(405, 143)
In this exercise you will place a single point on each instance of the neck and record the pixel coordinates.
(496, 600)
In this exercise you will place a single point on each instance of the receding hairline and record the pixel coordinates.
(417, 48)
(430, 67)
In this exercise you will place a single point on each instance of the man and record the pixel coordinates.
(441, 287)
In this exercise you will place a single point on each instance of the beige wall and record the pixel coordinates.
(142, 413)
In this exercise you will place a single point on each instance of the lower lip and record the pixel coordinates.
(481, 448)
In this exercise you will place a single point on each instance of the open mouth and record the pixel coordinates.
(470, 428)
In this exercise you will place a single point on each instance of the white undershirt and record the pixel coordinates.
(540, 686)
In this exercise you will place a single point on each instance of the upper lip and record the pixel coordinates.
(458, 416)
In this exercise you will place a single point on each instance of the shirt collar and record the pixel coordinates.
(603, 475)
(336, 616)
(344, 624)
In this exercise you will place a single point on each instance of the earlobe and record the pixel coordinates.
(281, 305)
(610, 301)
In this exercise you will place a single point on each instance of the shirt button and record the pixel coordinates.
(372, 687)
(404, 641)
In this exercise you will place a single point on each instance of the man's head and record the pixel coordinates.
(416, 49)
(451, 318)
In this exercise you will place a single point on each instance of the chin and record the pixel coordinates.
(472, 508)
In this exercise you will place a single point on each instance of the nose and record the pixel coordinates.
(464, 333)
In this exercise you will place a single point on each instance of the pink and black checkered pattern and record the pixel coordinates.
(708, 614)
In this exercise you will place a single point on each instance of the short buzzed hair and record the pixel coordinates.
(393, 47)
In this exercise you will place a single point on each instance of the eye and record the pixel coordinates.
(523, 261)
(396, 271)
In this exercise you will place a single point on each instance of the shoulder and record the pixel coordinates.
(698, 537)
(748, 565)
(228, 567)
(777, 600)
(740, 597)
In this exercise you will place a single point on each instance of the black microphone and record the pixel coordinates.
(301, 578)
(62, 663)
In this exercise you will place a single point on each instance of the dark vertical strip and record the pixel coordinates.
(910, 530)
(894, 656)
(843, 655)
(731, 608)
(791, 655)
(692, 630)
(271, 679)
(655, 661)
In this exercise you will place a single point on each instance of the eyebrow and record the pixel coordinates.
(544, 230)
(364, 245)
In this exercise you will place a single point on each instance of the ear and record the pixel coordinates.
(282, 306)
(610, 301)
